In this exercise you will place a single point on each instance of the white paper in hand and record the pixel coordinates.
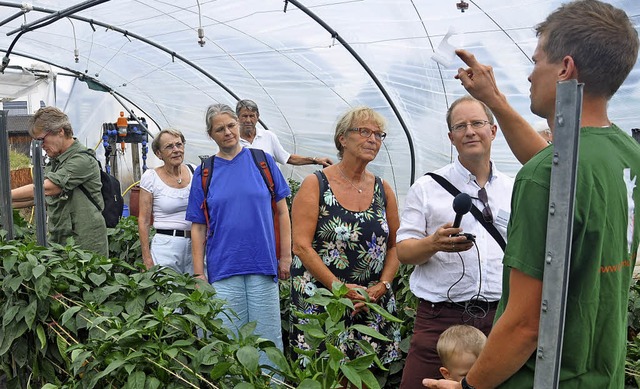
(445, 53)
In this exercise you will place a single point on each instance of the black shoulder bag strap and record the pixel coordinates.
(493, 231)
(81, 186)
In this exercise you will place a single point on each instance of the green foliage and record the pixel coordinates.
(632, 367)
(294, 186)
(74, 319)
(124, 241)
(18, 160)
(324, 362)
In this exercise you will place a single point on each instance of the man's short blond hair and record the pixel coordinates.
(457, 339)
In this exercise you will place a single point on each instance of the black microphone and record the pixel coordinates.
(461, 205)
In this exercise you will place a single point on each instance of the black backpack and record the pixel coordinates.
(111, 196)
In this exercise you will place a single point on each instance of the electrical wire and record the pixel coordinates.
(477, 307)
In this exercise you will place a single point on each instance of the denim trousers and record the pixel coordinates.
(253, 298)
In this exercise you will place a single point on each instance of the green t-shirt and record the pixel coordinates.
(604, 248)
(71, 213)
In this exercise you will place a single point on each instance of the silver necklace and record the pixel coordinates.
(179, 179)
(350, 182)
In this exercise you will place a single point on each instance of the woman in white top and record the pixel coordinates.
(164, 196)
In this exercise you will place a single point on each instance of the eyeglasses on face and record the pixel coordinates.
(42, 138)
(366, 133)
(487, 215)
(477, 124)
(171, 146)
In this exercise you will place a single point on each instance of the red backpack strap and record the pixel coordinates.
(260, 159)
(206, 170)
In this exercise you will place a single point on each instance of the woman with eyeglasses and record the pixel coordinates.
(70, 177)
(234, 225)
(344, 225)
(164, 194)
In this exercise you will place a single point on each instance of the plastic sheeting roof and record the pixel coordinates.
(301, 75)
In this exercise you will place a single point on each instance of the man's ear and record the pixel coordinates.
(450, 135)
(445, 373)
(568, 69)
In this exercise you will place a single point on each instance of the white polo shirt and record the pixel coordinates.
(427, 207)
(268, 142)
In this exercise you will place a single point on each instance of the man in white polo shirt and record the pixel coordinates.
(257, 138)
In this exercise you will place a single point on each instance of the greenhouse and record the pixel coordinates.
(159, 65)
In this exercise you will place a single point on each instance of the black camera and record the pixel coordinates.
(470, 237)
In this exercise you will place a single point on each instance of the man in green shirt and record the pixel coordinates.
(70, 212)
(596, 44)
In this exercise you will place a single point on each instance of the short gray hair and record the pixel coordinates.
(248, 104)
(49, 119)
(155, 145)
(215, 110)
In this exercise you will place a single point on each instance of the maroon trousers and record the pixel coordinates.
(431, 320)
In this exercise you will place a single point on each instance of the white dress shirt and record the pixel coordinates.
(447, 276)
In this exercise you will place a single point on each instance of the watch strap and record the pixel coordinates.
(465, 384)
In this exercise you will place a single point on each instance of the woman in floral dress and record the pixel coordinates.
(344, 230)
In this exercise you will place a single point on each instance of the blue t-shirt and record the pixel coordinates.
(241, 237)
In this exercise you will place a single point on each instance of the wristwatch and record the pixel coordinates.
(465, 384)
(387, 284)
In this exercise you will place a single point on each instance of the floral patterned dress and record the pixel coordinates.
(353, 245)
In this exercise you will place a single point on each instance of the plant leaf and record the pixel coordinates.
(351, 375)
(369, 331)
(248, 357)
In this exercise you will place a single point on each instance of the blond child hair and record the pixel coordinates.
(458, 347)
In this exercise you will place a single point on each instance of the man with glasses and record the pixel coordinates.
(257, 138)
(455, 283)
(70, 213)
(597, 45)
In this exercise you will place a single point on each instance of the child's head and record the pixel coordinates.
(458, 348)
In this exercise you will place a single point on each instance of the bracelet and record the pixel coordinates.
(314, 160)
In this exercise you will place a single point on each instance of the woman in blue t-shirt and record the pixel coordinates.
(238, 234)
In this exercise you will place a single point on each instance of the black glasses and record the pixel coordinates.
(486, 211)
(365, 133)
(42, 138)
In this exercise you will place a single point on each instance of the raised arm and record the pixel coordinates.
(295, 159)
(479, 81)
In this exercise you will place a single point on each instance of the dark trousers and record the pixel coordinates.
(431, 320)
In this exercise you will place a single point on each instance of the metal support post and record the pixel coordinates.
(6, 212)
(555, 281)
(40, 217)
(135, 161)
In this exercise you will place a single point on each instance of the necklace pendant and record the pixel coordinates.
(359, 190)
(179, 181)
